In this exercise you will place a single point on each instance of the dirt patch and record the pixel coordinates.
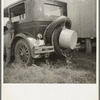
(81, 70)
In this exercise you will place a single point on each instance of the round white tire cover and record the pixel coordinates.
(68, 39)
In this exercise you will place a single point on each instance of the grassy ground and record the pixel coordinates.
(81, 70)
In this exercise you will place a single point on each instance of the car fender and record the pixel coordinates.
(27, 37)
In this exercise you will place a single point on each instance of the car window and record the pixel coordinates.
(18, 13)
(52, 10)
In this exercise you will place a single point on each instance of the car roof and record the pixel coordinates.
(14, 4)
(21, 1)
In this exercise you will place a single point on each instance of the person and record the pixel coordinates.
(9, 35)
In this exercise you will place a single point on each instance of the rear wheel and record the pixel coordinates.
(23, 52)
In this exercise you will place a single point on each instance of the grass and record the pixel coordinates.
(81, 70)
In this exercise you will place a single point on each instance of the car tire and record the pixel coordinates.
(23, 52)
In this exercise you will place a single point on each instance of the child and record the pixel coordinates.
(9, 35)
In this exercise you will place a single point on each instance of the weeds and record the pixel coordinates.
(81, 70)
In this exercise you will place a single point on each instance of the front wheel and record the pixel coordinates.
(23, 52)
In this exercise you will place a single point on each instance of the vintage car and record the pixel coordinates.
(41, 27)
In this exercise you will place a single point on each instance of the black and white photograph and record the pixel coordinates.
(49, 41)
(49, 50)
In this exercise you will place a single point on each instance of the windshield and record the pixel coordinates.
(52, 10)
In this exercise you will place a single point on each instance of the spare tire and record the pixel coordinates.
(55, 40)
(63, 39)
(52, 26)
(55, 24)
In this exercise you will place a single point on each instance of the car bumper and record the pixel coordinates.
(40, 51)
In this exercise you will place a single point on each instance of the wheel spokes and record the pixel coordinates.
(23, 53)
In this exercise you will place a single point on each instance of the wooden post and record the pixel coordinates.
(88, 46)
